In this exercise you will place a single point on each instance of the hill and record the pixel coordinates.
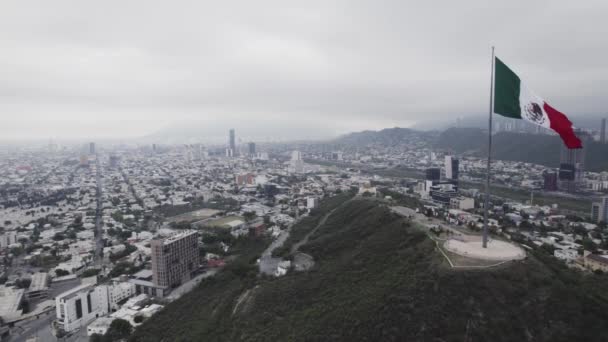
(387, 137)
(377, 278)
(524, 147)
(532, 148)
(580, 120)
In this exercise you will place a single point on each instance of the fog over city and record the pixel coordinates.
(116, 69)
(342, 170)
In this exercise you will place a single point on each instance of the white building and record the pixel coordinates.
(117, 293)
(10, 302)
(599, 210)
(312, 202)
(8, 239)
(367, 187)
(296, 164)
(568, 255)
(282, 268)
(79, 306)
(451, 167)
(107, 251)
(462, 203)
(99, 326)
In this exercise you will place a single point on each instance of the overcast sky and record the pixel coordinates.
(73, 69)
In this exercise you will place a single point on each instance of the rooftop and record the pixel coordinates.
(599, 258)
(10, 299)
(179, 236)
(143, 274)
(72, 292)
(40, 281)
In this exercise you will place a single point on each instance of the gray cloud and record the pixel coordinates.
(345, 65)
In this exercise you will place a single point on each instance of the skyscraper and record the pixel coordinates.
(296, 165)
(232, 141)
(91, 148)
(599, 210)
(550, 181)
(451, 167)
(572, 166)
(252, 149)
(433, 174)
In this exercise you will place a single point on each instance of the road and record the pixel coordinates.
(98, 215)
(268, 264)
(191, 284)
(40, 328)
(131, 188)
(298, 244)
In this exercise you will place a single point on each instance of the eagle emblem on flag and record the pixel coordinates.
(534, 112)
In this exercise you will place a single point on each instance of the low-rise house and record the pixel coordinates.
(596, 262)
(99, 326)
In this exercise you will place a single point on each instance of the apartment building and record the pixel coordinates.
(174, 259)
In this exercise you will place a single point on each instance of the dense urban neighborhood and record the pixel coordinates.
(97, 239)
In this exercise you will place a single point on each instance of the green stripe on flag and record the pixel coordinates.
(506, 91)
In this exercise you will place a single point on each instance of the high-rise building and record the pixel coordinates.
(84, 160)
(572, 166)
(174, 259)
(550, 181)
(451, 167)
(596, 212)
(296, 155)
(599, 210)
(336, 155)
(232, 141)
(91, 148)
(251, 149)
(245, 179)
(114, 160)
(603, 131)
(433, 174)
(296, 164)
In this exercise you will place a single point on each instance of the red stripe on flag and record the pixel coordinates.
(563, 127)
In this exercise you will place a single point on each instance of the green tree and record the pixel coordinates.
(589, 245)
(96, 338)
(119, 329)
(90, 272)
(249, 215)
(60, 273)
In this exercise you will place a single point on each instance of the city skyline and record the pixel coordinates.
(71, 73)
(327, 171)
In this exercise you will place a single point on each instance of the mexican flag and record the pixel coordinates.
(513, 99)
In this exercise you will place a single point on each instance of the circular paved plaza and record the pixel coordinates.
(497, 250)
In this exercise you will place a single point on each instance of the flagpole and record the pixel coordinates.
(487, 198)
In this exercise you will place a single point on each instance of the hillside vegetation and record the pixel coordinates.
(524, 147)
(377, 278)
(386, 137)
